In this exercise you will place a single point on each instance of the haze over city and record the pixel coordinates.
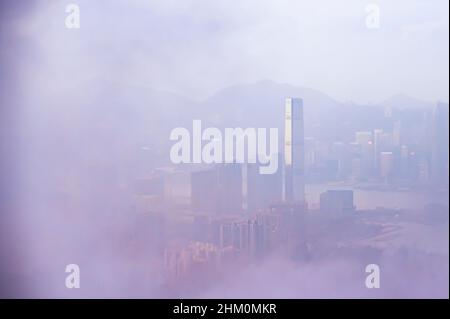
(362, 149)
(195, 48)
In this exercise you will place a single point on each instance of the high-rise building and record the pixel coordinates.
(255, 238)
(218, 190)
(294, 152)
(397, 133)
(440, 144)
(386, 165)
(292, 227)
(404, 162)
(341, 152)
(365, 140)
(377, 136)
(310, 153)
(226, 234)
(262, 190)
(355, 161)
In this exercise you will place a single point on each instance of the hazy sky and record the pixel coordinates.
(197, 47)
(65, 178)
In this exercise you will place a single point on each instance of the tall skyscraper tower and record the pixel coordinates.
(440, 144)
(294, 151)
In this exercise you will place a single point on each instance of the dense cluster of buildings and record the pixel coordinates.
(408, 150)
(234, 212)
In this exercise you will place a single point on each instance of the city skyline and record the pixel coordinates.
(217, 149)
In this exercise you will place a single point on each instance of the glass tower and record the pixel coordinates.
(294, 155)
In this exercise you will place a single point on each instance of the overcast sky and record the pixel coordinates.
(197, 47)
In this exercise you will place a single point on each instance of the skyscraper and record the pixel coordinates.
(386, 165)
(263, 190)
(294, 152)
(439, 144)
(365, 140)
(377, 148)
(217, 190)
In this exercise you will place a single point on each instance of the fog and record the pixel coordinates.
(87, 112)
(195, 49)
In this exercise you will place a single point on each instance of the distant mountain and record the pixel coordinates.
(402, 101)
(108, 123)
(261, 104)
(104, 120)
